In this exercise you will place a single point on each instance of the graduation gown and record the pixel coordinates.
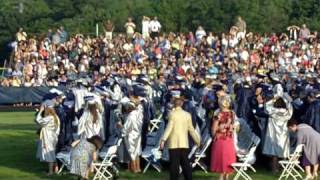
(46, 150)
(131, 131)
(65, 135)
(87, 128)
(243, 101)
(312, 116)
(277, 136)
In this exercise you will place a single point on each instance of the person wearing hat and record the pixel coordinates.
(65, 135)
(243, 100)
(132, 133)
(90, 121)
(312, 115)
(50, 128)
(279, 110)
(176, 136)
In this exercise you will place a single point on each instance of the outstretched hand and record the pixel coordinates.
(162, 145)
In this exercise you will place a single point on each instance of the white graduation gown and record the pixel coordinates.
(132, 130)
(87, 128)
(48, 138)
(277, 137)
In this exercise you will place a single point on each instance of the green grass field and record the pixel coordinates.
(18, 147)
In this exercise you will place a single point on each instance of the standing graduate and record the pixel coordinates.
(50, 128)
(312, 116)
(279, 110)
(131, 131)
(90, 121)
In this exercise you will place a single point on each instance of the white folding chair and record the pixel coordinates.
(154, 124)
(200, 154)
(101, 168)
(64, 158)
(289, 166)
(246, 161)
(152, 158)
(151, 153)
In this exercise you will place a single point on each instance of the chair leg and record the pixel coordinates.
(237, 175)
(203, 167)
(147, 166)
(61, 168)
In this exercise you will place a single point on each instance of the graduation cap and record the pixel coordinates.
(275, 77)
(176, 94)
(217, 87)
(89, 99)
(101, 91)
(69, 104)
(48, 103)
(82, 81)
(142, 78)
(50, 96)
(139, 90)
(58, 92)
(293, 75)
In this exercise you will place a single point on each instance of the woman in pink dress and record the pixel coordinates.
(223, 152)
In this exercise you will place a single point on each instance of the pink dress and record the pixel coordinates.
(223, 152)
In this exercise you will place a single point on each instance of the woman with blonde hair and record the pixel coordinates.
(90, 123)
(223, 152)
(50, 128)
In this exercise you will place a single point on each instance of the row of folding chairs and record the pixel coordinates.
(103, 169)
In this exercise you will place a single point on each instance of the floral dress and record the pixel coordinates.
(223, 152)
(81, 158)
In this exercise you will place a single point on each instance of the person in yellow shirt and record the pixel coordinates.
(176, 135)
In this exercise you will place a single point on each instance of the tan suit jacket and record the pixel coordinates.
(180, 124)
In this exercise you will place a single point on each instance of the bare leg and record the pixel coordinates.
(221, 177)
(227, 176)
(315, 170)
(56, 168)
(138, 164)
(308, 171)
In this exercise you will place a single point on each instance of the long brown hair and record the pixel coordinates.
(93, 110)
(51, 112)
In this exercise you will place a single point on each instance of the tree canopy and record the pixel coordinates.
(37, 16)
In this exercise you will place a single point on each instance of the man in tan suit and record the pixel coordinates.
(176, 134)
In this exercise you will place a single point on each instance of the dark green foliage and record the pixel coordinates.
(37, 16)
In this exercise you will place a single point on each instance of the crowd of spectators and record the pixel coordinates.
(59, 58)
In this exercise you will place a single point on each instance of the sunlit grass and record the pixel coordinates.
(18, 148)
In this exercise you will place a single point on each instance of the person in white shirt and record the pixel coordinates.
(154, 27)
(145, 27)
(200, 33)
(130, 27)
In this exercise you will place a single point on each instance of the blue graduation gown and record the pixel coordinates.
(312, 116)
